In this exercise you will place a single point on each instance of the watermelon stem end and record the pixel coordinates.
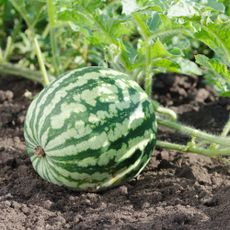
(39, 152)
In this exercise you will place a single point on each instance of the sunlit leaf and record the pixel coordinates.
(189, 67)
(30, 11)
(154, 21)
(217, 37)
(129, 6)
(217, 73)
(182, 9)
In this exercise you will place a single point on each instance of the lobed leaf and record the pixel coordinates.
(31, 11)
(217, 73)
(216, 35)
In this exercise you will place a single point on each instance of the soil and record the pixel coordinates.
(175, 191)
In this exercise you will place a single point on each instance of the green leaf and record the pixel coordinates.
(159, 50)
(182, 9)
(129, 6)
(188, 67)
(216, 35)
(129, 52)
(164, 61)
(97, 24)
(31, 11)
(217, 73)
(214, 4)
(227, 6)
(154, 5)
(226, 94)
(162, 65)
(154, 21)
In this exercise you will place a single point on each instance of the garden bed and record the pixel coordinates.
(175, 191)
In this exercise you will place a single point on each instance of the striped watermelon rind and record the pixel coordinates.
(91, 129)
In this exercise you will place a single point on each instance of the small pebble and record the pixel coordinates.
(21, 119)
(87, 202)
(15, 205)
(47, 204)
(202, 95)
(78, 218)
(145, 205)
(123, 190)
(103, 205)
(7, 203)
(9, 95)
(6, 95)
(92, 196)
(25, 209)
(71, 198)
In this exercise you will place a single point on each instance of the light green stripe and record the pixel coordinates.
(98, 140)
(59, 96)
(42, 98)
(83, 80)
(53, 178)
(125, 118)
(121, 174)
(29, 141)
(28, 124)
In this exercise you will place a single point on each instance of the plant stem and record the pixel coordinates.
(148, 73)
(224, 133)
(31, 25)
(1, 55)
(193, 149)
(45, 78)
(144, 30)
(85, 51)
(169, 113)
(148, 64)
(194, 132)
(53, 40)
(8, 50)
(9, 69)
(226, 128)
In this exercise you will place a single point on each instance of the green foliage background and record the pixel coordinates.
(141, 38)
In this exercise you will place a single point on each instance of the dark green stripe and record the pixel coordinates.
(71, 179)
(29, 150)
(108, 122)
(44, 175)
(42, 95)
(146, 154)
(56, 177)
(47, 172)
(115, 145)
(47, 99)
(30, 138)
(111, 124)
(114, 171)
(36, 165)
(73, 78)
(90, 109)
(71, 167)
(59, 175)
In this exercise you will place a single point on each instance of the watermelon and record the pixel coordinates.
(91, 129)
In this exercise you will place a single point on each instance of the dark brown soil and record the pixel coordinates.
(175, 191)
